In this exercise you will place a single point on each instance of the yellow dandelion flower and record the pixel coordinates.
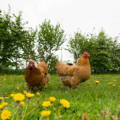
(46, 104)
(5, 104)
(110, 83)
(1, 98)
(22, 103)
(45, 113)
(97, 81)
(5, 115)
(29, 95)
(1, 106)
(113, 85)
(17, 87)
(6, 97)
(11, 95)
(25, 92)
(52, 99)
(18, 97)
(38, 93)
(64, 103)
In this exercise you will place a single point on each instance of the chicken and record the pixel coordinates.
(71, 76)
(36, 75)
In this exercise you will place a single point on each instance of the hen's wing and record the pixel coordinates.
(43, 66)
(65, 70)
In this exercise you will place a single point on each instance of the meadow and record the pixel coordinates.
(96, 99)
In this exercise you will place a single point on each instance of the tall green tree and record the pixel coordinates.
(104, 55)
(18, 36)
(17, 43)
(77, 45)
(101, 59)
(29, 50)
(50, 38)
(6, 42)
(115, 57)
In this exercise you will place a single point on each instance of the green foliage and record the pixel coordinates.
(101, 62)
(77, 45)
(19, 44)
(104, 51)
(16, 42)
(6, 50)
(28, 47)
(50, 38)
(4, 71)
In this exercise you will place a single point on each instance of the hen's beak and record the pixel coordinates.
(30, 66)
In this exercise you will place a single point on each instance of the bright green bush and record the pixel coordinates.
(104, 51)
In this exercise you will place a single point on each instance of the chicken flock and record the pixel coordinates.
(36, 75)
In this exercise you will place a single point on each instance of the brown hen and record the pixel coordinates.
(36, 75)
(71, 76)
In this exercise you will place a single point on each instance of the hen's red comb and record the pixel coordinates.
(86, 54)
(31, 62)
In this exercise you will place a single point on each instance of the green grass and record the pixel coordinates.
(99, 101)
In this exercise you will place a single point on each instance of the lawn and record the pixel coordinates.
(90, 101)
